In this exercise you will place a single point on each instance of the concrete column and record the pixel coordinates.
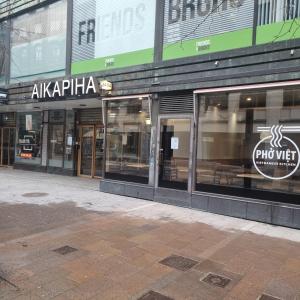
(154, 133)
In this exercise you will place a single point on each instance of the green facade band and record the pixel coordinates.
(210, 44)
(117, 61)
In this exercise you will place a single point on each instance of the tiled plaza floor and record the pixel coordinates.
(52, 247)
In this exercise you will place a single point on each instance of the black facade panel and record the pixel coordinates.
(176, 103)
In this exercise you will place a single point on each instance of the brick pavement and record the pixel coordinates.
(112, 255)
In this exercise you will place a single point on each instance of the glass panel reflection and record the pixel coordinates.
(174, 153)
(87, 144)
(232, 125)
(29, 132)
(56, 145)
(128, 140)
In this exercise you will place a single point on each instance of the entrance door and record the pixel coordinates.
(174, 156)
(7, 146)
(90, 162)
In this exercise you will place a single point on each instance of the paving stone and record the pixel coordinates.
(210, 266)
(119, 252)
(54, 288)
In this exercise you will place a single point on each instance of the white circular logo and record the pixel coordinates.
(276, 156)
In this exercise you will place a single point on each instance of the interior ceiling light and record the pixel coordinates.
(248, 99)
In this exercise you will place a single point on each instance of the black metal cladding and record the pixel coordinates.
(90, 116)
(8, 119)
(11, 7)
(182, 19)
(176, 103)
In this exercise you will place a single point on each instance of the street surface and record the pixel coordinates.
(60, 238)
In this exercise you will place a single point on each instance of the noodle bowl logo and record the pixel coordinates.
(276, 156)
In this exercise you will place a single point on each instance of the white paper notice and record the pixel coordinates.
(28, 122)
(124, 139)
(70, 141)
(174, 143)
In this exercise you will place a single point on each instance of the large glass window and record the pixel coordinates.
(248, 142)
(128, 140)
(61, 139)
(56, 138)
(38, 43)
(29, 132)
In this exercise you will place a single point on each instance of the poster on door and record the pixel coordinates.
(28, 122)
(174, 143)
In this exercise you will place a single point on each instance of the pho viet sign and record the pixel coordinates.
(68, 87)
(277, 156)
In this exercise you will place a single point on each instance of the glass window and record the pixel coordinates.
(56, 116)
(56, 145)
(128, 140)
(277, 11)
(29, 132)
(56, 138)
(69, 140)
(249, 141)
(38, 43)
(61, 139)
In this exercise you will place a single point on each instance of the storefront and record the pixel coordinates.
(60, 130)
(67, 141)
(7, 139)
(128, 136)
(248, 142)
(233, 151)
(154, 135)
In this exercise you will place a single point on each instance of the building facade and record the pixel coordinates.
(191, 103)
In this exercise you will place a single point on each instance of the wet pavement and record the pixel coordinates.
(60, 238)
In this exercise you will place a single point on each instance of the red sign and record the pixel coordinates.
(26, 155)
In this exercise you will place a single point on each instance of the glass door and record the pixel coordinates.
(86, 151)
(7, 146)
(11, 148)
(174, 153)
(91, 152)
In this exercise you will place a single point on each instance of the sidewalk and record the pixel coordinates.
(60, 238)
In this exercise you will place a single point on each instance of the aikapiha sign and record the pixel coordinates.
(68, 87)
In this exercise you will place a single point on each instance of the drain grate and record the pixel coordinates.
(216, 280)
(151, 295)
(179, 262)
(35, 195)
(267, 297)
(65, 250)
